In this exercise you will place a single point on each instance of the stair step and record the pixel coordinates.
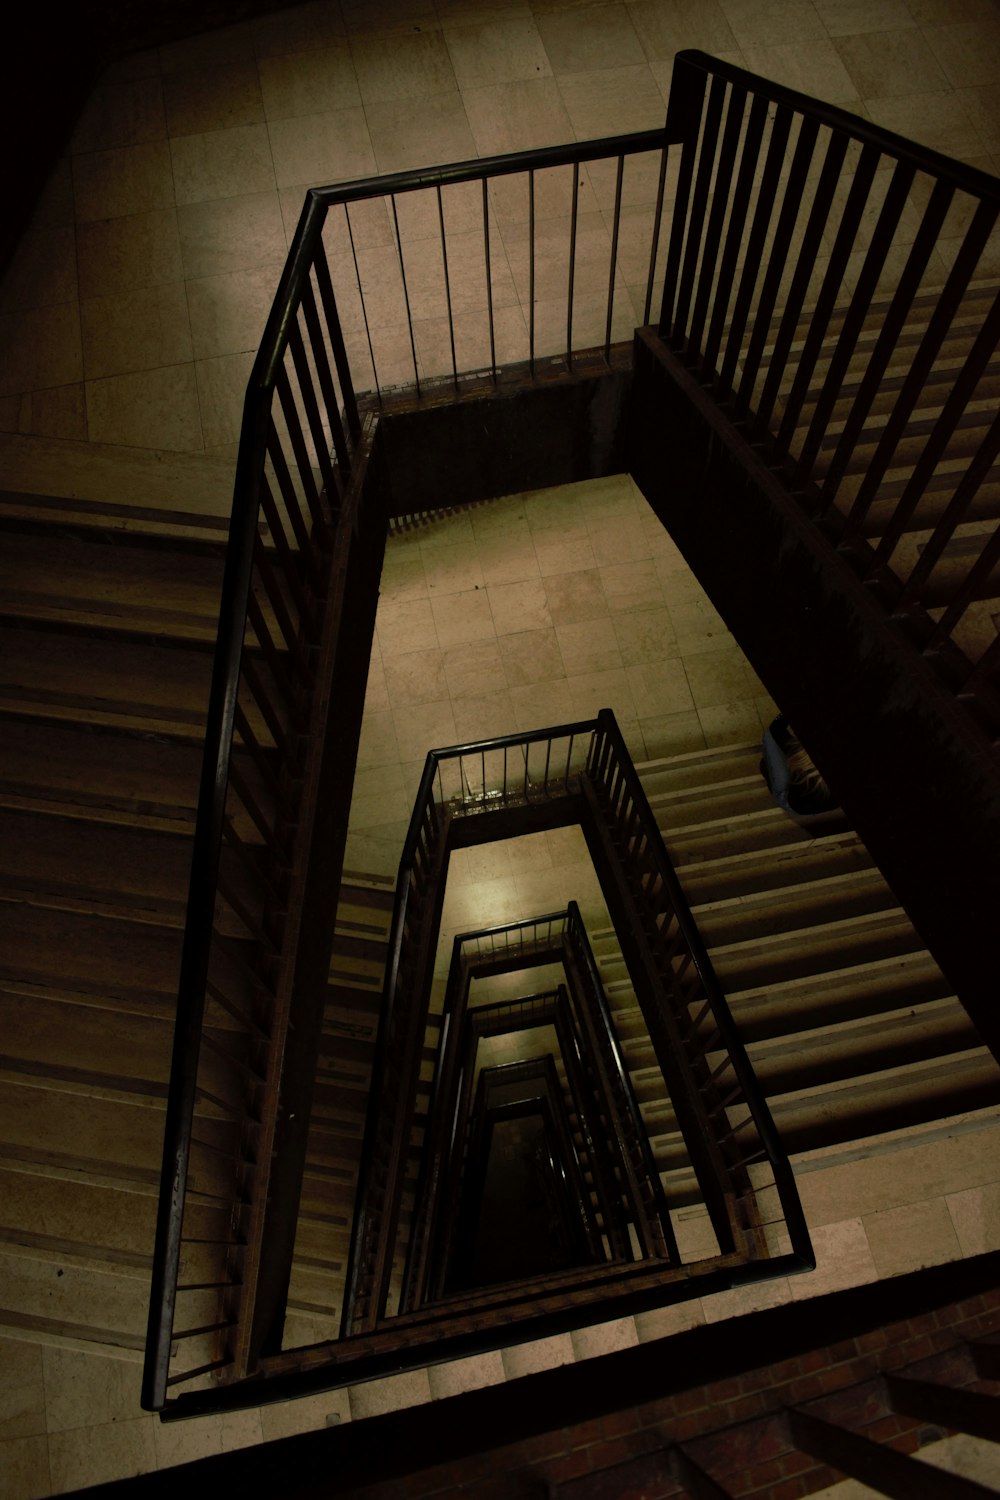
(147, 688)
(87, 1220)
(95, 864)
(72, 581)
(78, 770)
(873, 1103)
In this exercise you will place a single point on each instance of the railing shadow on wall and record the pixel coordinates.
(836, 288)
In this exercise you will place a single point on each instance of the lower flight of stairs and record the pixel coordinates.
(851, 1027)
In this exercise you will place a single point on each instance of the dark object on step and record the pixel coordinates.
(795, 783)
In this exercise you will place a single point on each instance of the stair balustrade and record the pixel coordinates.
(833, 287)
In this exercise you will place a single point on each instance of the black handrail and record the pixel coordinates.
(609, 743)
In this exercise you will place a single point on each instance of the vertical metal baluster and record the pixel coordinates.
(708, 286)
(853, 321)
(364, 309)
(736, 237)
(962, 271)
(569, 756)
(895, 320)
(572, 268)
(781, 242)
(686, 288)
(531, 270)
(489, 281)
(614, 257)
(806, 254)
(655, 246)
(548, 755)
(447, 285)
(943, 532)
(406, 295)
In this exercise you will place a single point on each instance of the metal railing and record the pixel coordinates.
(421, 260)
(734, 1145)
(616, 1143)
(466, 780)
(472, 267)
(835, 288)
(721, 1109)
(240, 931)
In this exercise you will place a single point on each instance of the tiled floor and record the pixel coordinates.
(130, 319)
(132, 313)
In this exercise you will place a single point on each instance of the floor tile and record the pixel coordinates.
(890, 62)
(137, 330)
(664, 30)
(500, 51)
(298, 29)
(149, 409)
(86, 1456)
(121, 113)
(517, 607)
(772, 23)
(415, 67)
(126, 180)
(231, 235)
(914, 1235)
(588, 646)
(219, 99)
(572, 597)
(597, 36)
(24, 1468)
(116, 255)
(228, 312)
(310, 150)
(473, 669)
(222, 384)
(309, 83)
(660, 688)
(40, 348)
(222, 164)
(810, 67)
(411, 133)
(517, 116)
(531, 656)
(853, 17)
(416, 677)
(22, 1390)
(967, 52)
(612, 101)
(43, 271)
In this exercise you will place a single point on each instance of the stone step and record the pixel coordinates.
(95, 864)
(93, 772)
(114, 585)
(73, 679)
